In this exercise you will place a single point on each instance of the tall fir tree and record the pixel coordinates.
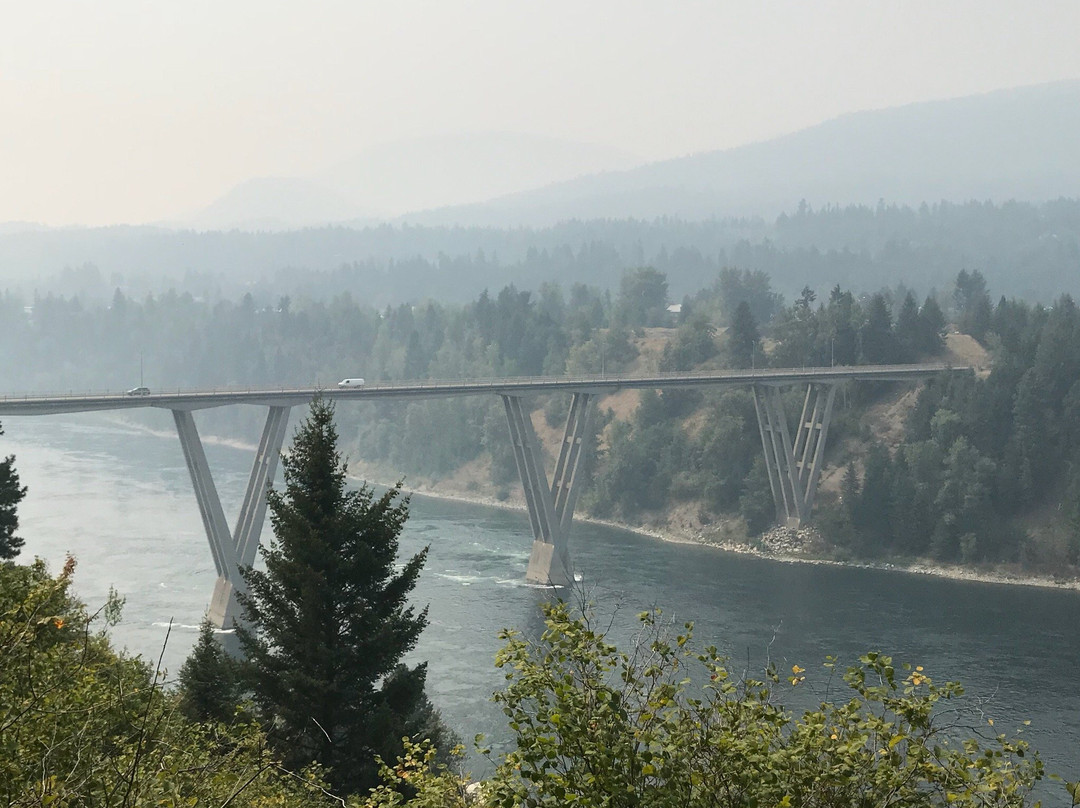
(743, 339)
(931, 327)
(876, 335)
(11, 494)
(328, 621)
(908, 330)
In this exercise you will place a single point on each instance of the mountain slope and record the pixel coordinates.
(276, 203)
(1011, 144)
(465, 168)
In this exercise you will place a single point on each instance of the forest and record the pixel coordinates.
(987, 462)
(1024, 250)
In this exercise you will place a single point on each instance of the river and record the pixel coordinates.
(119, 498)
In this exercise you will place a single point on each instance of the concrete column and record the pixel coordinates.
(783, 476)
(822, 419)
(238, 548)
(768, 450)
(564, 487)
(529, 461)
(794, 469)
(550, 507)
(213, 517)
(253, 510)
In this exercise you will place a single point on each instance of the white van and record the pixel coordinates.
(351, 383)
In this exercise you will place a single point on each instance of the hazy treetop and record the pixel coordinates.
(126, 111)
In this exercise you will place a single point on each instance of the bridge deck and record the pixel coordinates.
(38, 404)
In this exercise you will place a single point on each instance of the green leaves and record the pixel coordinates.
(83, 725)
(663, 725)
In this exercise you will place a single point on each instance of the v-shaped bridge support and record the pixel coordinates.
(794, 469)
(236, 549)
(551, 507)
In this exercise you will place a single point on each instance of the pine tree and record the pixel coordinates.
(908, 329)
(931, 328)
(209, 688)
(878, 340)
(328, 621)
(743, 339)
(11, 494)
(850, 489)
(872, 512)
(756, 503)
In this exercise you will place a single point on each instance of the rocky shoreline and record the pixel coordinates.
(786, 545)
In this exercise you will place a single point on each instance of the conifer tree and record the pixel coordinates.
(328, 621)
(11, 494)
(743, 339)
(209, 688)
(931, 327)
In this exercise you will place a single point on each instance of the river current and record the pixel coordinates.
(119, 498)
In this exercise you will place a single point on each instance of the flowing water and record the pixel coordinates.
(119, 498)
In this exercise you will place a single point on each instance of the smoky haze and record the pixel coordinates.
(126, 112)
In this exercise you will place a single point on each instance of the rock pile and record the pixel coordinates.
(789, 540)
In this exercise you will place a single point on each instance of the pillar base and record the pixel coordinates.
(224, 614)
(547, 568)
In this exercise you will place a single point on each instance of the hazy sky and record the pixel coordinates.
(134, 111)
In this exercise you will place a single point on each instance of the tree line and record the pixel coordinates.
(1026, 250)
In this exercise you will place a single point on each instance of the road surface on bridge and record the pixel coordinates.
(47, 404)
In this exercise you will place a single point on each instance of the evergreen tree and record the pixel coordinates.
(878, 340)
(840, 315)
(743, 339)
(328, 621)
(643, 298)
(931, 328)
(908, 328)
(11, 494)
(906, 522)
(209, 687)
(756, 503)
(972, 302)
(872, 511)
(850, 490)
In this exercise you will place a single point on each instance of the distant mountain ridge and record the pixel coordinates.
(277, 203)
(381, 182)
(1010, 144)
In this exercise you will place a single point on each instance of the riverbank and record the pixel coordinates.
(775, 545)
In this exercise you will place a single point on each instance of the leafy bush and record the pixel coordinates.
(664, 725)
(81, 725)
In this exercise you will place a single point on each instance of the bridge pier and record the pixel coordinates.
(550, 507)
(236, 549)
(794, 469)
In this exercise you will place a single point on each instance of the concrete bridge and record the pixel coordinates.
(794, 466)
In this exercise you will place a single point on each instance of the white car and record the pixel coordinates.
(351, 383)
(138, 391)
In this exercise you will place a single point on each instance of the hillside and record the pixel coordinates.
(1016, 144)
(381, 182)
